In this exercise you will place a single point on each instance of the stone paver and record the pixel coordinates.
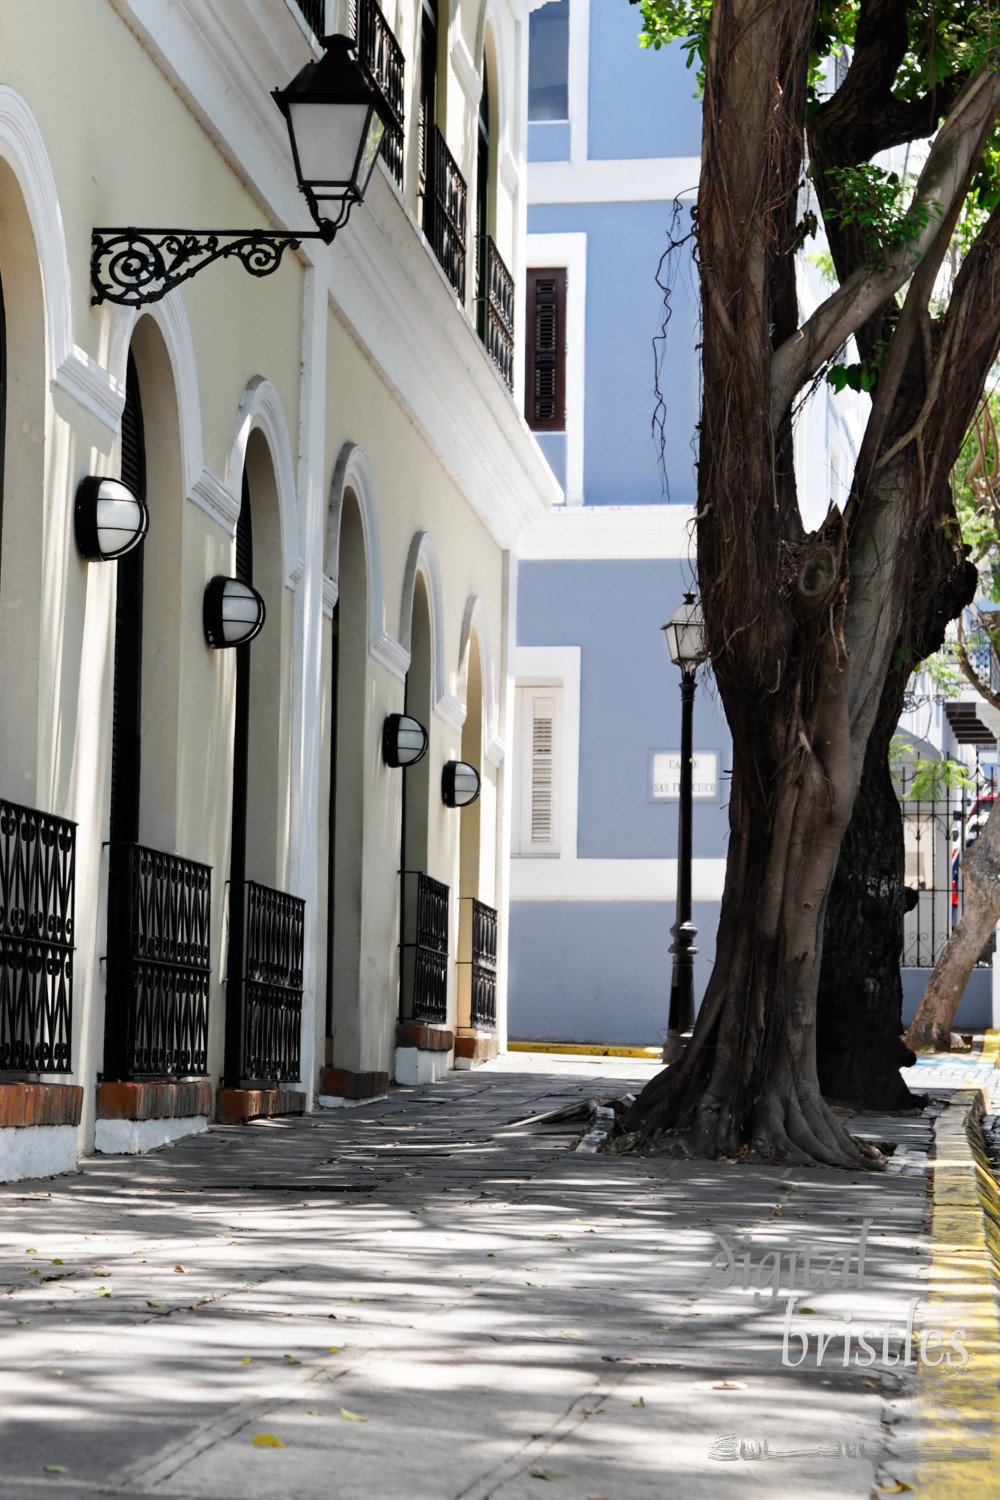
(426, 1297)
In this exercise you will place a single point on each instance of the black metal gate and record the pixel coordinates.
(271, 985)
(935, 834)
(425, 948)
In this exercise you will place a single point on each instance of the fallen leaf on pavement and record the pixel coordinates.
(179, 1268)
(267, 1440)
(641, 1402)
(546, 1474)
(352, 1416)
(291, 1360)
(156, 1304)
(55, 1468)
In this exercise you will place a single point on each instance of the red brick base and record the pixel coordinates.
(235, 1105)
(154, 1101)
(478, 1046)
(424, 1037)
(342, 1083)
(23, 1104)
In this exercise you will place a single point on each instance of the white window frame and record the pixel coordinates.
(554, 668)
(569, 252)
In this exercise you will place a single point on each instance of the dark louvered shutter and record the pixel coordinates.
(244, 537)
(125, 741)
(545, 376)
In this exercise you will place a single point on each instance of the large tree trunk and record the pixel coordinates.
(802, 628)
(931, 1026)
(860, 999)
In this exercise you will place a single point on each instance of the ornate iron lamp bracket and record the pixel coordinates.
(137, 266)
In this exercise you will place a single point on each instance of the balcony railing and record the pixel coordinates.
(159, 964)
(445, 209)
(483, 964)
(425, 948)
(314, 14)
(272, 985)
(37, 892)
(496, 309)
(382, 58)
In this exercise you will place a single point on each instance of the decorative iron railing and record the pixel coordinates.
(314, 14)
(272, 985)
(445, 209)
(382, 58)
(159, 964)
(425, 948)
(935, 834)
(484, 966)
(37, 893)
(496, 308)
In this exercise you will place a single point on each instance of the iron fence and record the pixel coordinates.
(314, 14)
(37, 895)
(935, 834)
(272, 985)
(445, 209)
(382, 58)
(159, 964)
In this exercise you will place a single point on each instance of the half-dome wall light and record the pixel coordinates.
(233, 613)
(109, 520)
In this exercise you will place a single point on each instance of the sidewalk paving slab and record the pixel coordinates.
(498, 1316)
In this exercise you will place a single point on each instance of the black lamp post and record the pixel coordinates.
(685, 636)
(336, 121)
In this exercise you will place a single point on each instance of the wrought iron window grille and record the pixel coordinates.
(424, 950)
(382, 58)
(159, 964)
(37, 896)
(272, 985)
(496, 308)
(482, 962)
(445, 210)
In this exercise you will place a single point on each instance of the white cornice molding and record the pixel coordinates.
(91, 387)
(211, 495)
(651, 180)
(391, 655)
(450, 710)
(591, 533)
(466, 72)
(429, 352)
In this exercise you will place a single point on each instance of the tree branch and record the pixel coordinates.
(942, 183)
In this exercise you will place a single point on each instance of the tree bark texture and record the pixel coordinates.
(801, 627)
(931, 1026)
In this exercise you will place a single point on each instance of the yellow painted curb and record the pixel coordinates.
(960, 1405)
(991, 1048)
(585, 1049)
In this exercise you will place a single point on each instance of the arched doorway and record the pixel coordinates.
(477, 963)
(348, 669)
(263, 1031)
(424, 902)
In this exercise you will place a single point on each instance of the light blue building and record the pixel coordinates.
(614, 141)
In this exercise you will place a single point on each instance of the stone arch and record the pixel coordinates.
(423, 559)
(353, 471)
(476, 621)
(260, 409)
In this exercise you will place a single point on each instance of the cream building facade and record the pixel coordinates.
(201, 906)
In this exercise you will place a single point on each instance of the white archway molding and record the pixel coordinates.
(170, 316)
(353, 471)
(476, 620)
(490, 50)
(260, 407)
(423, 559)
(69, 369)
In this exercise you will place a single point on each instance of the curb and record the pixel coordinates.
(587, 1049)
(960, 1405)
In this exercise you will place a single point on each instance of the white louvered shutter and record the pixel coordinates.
(536, 819)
